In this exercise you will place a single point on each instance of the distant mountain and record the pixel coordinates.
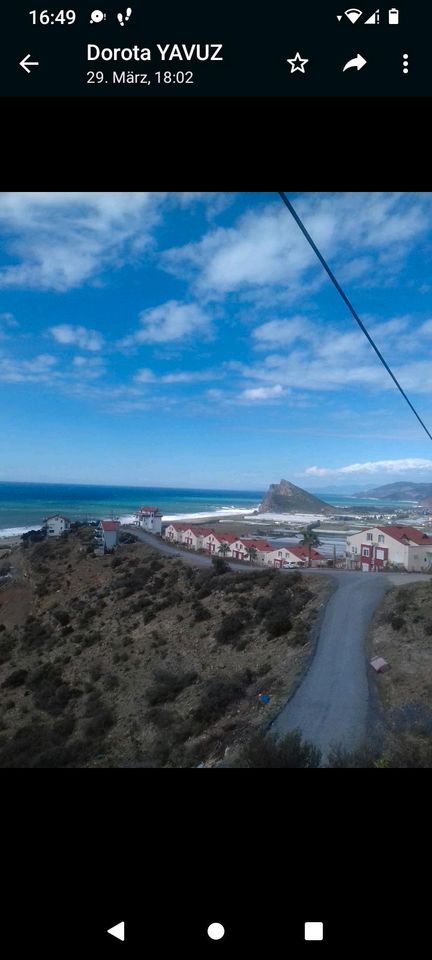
(285, 497)
(404, 490)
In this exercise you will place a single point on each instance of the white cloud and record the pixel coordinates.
(266, 248)
(192, 376)
(8, 320)
(263, 393)
(61, 240)
(89, 367)
(77, 336)
(145, 376)
(37, 370)
(168, 322)
(282, 332)
(185, 376)
(58, 241)
(371, 467)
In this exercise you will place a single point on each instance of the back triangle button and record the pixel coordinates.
(117, 931)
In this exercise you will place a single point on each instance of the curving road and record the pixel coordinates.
(332, 704)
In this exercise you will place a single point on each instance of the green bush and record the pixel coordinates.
(99, 724)
(161, 717)
(61, 616)
(50, 692)
(291, 751)
(220, 565)
(166, 685)
(200, 612)
(217, 696)
(15, 679)
(277, 622)
(231, 628)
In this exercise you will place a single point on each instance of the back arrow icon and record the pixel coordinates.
(25, 63)
(358, 62)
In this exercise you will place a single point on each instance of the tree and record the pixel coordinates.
(251, 553)
(309, 540)
(224, 548)
(220, 565)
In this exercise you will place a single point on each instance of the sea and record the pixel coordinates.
(24, 506)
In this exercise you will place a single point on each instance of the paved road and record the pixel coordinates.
(332, 703)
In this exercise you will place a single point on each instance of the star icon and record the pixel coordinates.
(297, 63)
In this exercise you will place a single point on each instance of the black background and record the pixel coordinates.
(257, 40)
(169, 852)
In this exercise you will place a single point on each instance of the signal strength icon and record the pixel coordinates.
(374, 18)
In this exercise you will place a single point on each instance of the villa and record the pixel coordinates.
(295, 554)
(56, 525)
(149, 518)
(107, 534)
(240, 549)
(245, 549)
(375, 548)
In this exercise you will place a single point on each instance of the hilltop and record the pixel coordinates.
(139, 659)
(285, 497)
(403, 490)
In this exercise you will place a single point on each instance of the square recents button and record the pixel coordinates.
(314, 931)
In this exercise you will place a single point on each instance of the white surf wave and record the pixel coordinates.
(15, 531)
(225, 512)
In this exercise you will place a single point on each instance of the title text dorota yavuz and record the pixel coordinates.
(168, 51)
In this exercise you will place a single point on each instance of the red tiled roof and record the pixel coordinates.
(110, 524)
(148, 510)
(258, 544)
(399, 531)
(303, 552)
(226, 537)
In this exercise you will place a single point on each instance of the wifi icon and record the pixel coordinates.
(352, 14)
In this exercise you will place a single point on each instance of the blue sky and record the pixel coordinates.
(194, 339)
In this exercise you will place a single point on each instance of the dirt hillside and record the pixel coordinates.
(138, 659)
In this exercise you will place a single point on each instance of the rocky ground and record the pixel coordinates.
(140, 660)
(401, 632)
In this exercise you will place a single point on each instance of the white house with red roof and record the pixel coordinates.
(56, 525)
(150, 518)
(210, 541)
(374, 548)
(226, 539)
(241, 547)
(174, 532)
(107, 533)
(295, 554)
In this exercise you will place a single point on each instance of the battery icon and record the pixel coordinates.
(393, 15)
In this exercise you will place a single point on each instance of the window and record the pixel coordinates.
(365, 552)
(280, 553)
(369, 536)
(354, 550)
(381, 538)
